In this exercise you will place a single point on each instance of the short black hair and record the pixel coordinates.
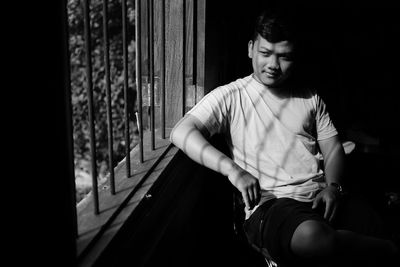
(276, 25)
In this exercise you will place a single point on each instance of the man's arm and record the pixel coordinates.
(334, 160)
(190, 135)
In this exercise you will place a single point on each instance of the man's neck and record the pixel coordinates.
(281, 91)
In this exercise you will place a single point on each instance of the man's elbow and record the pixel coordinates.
(178, 132)
(184, 129)
(173, 134)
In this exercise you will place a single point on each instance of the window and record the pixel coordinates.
(136, 67)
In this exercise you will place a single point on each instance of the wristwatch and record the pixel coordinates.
(338, 187)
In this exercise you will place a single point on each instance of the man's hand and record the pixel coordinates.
(248, 186)
(329, 196)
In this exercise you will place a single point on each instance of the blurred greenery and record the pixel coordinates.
(79, 84)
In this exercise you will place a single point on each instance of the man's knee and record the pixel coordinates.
(313, 239)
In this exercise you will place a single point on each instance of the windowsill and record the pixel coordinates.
(95, 232)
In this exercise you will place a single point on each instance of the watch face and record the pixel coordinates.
(338, 186)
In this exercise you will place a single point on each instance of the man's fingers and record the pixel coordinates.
(333, 213)
(246, 199)
(328, 209)
(250, 189)
(315, 202)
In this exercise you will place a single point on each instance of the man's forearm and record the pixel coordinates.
(191, 141)
(334, 169)
(189, 135)
(334, 160)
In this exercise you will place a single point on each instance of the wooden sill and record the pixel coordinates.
(95, 232)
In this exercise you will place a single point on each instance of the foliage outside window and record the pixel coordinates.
(78, 88)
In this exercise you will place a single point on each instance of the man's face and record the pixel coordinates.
(272, 62)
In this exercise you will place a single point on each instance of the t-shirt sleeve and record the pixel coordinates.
(325, 126)
(212, 110)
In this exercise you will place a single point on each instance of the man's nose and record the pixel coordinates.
(273, 63)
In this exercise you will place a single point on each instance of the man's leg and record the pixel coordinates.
(272, 226)
(314, 240)
(318, 242)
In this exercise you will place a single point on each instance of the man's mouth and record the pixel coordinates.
(271, 74)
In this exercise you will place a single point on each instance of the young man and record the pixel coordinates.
(279, 135)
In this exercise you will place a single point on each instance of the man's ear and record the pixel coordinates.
(250, 49)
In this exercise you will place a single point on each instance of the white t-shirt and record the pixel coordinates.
(273, 139)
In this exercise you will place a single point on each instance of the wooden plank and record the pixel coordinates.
(157, 36)
(200, 48)
(190, 87)
(189, 38)
(174, 61)
(157, 49)
(145, 36)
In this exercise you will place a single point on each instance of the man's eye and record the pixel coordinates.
(266, 54)
(286, 58)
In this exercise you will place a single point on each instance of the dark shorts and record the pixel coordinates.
(273, 223)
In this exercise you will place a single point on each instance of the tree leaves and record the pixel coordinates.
(79, 80)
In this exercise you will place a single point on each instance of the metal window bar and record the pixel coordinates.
(126, 87)
(162, 69)
(89, 87)
(194, 55)
(150, 30)
(184, 58)
(138, 49)
(108, 95)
